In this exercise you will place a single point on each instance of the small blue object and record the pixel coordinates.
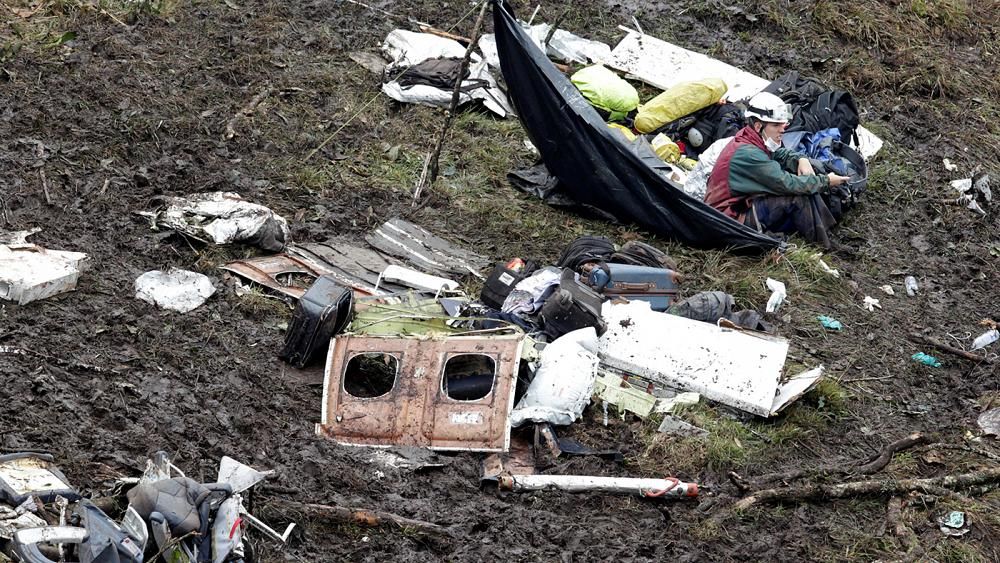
(926, 360)
(830, 322)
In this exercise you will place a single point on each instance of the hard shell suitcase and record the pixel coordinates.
(323, 311)
(658, 286)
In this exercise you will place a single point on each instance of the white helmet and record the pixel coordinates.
(765, 106)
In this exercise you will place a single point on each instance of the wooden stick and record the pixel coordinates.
(445, 34)
(45, 187)
(420, 182)
(246, 111)
(455, 94)
(364, 517)
(814, 491)
(885, 457)
(950, 349)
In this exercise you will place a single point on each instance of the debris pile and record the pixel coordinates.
(43, 518)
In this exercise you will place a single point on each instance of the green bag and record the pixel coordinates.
(607, 91)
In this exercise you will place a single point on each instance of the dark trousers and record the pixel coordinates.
(807, 215)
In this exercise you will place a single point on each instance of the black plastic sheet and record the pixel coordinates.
(593, 167)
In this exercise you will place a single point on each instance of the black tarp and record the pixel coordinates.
(593, 167)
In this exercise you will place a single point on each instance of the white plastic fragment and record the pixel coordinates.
(564, 382)
(962, 185)
(777, 295)
(29, 272)
(177, 290)
(989, 422)
(563, 46)
(826, 267)
(871, 303)
(407, 48)
(982, 185)
(887, 289)
(417, 280)
(949, 166)
(664, 406)
(677, 427)
(223, 218)
(985, 339)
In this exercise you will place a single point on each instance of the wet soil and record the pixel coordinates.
(133, 109)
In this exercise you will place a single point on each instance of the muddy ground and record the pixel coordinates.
(136, 102)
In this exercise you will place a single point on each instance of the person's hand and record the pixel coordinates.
(806, 167)
(836, 179)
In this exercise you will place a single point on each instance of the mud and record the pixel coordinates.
(131, 110)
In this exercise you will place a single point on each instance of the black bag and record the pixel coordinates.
(712, 123)
(571, 307)
(641, 254)
(440, 73)
(323, 311)
(589, 248)
(501, 282)
(832, 109)
(795, 89)
(816, 107)
(709, 124)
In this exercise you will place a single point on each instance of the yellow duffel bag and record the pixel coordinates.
(680, 100)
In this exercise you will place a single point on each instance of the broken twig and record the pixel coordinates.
(814, 491)
(441, 33)
(950, 349)
(455, 95)
(246, 111)
(45, 187)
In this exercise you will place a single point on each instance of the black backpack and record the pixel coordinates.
(816, 107)
(641, 254)
(589, 248)
(712, 123)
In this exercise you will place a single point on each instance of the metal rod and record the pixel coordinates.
(585, 484)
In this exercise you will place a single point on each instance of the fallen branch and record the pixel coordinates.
(950, 349)
(874, 466)
(907, 539)
(965, 448)
(246, 111)
(364, 517)
(860, 488)
(885, 457)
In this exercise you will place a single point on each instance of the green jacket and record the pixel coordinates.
(746, 168)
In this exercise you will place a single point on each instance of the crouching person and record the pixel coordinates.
(767, 187)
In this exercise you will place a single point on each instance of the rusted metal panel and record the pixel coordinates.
(416, 410)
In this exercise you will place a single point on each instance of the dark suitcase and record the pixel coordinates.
(573, 306)
(322, 312)
(502, 281)
(658, 286)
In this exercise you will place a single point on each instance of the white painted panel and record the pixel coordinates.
(733, 367)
